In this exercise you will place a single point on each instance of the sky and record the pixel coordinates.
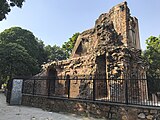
(55, 21)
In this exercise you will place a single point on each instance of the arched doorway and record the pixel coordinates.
(52, 74)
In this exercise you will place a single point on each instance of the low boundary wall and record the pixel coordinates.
(109, 111)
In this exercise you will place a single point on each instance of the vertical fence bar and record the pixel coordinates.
(126, 91)
(33, 92)
(141, 92)
(90, 79)
(48, 82)
(54, 81)
(68, 85)
(94, 89)
(23, 86)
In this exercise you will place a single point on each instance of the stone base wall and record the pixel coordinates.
(92, 109)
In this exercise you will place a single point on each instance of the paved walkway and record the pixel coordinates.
(29, 113)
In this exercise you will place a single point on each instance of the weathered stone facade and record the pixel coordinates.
(110, 49)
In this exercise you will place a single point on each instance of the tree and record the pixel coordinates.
(55, 53)
(25, 38)
(5, 7)
(21, 53)
(20, 36)
(15, 61)
(42, 54)
(68, 46)
(152, 56)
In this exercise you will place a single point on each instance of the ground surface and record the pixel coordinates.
(28, 113)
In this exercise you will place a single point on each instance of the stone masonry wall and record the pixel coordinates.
(93, 109)
(110, 49)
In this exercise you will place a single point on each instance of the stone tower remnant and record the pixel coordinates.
(110, 50)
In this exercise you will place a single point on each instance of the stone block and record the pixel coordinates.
(153, 111)
(149, 117)
(141, 115)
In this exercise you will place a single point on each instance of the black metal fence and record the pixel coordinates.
(92, 88)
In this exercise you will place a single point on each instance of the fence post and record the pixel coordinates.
(126, 91)
(68, 85)
(9, 89)
(48, 82)
(23, 86)
(94, 89)
(33, 92)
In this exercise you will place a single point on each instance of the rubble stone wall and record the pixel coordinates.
(93, 109)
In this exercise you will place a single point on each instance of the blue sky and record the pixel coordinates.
(54, 21)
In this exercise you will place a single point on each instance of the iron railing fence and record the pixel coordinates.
(95, 88)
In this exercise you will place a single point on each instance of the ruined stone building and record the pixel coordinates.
(110, 50)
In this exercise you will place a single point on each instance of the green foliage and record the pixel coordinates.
(152, 56)
(42, 54)
(20, 36)
(55, 53)
(21, 54)
(5, 6)
(68, 46)
(25, 38)
(15, 61)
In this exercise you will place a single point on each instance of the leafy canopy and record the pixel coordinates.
(21, 53)
(15, 61)
(5, 7)
(55, 53)
(152, 55)
(69, 45)
(25, 38)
